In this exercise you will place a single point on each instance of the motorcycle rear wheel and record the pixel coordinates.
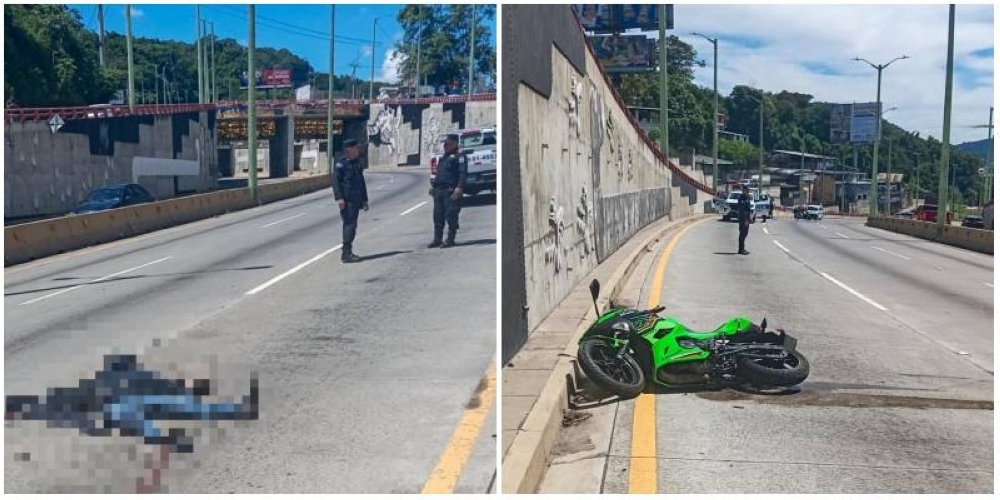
(620, 376)
(790, 371)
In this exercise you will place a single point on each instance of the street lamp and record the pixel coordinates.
(760, 105)
(872, 192)
(715, 119)
(371, 83)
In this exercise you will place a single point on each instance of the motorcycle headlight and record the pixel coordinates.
(622, 326)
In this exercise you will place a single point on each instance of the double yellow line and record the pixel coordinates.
(642, 472)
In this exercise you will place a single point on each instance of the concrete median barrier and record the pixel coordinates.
(35, 240)
(978, 240)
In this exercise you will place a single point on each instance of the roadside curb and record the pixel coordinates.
(551, 350)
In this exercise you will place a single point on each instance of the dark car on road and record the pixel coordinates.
(114, 196)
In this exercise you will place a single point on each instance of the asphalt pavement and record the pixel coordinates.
(368, 371)
(899, 335)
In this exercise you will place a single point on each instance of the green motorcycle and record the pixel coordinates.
(624, 348)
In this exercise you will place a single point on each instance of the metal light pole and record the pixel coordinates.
(420, 41)
(201, 70)
(873, 188)
(204, 54)
(329, 95)
(946, 133)
(215, 91)
(664, 116)
(472, 50)
(252, 103)
(715, 118)
(128, 48)
(100, 34)
(371, 83)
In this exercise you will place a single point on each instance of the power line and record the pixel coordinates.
(303, 32)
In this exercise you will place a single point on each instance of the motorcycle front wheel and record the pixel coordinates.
(792, 370)
(621, 376)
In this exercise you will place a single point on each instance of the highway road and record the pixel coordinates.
(373, 376)
(899, 335)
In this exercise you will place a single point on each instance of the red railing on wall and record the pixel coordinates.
(642, 134)
(76, 113)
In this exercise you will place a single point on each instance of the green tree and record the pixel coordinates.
(739, 152)
(444, 35)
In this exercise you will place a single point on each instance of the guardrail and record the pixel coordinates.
(978, 240)
(35, 240)
(110, 111)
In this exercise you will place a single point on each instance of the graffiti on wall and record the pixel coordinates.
(430, 135)
(383, 130)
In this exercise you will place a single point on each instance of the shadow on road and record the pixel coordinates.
(724, 253)
(382, 255)
(491, 241)
(124, 278)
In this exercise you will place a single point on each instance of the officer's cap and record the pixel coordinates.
(451, 137)
(350, 143)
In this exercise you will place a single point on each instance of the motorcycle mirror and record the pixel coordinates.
(763, 325)
(595, 288)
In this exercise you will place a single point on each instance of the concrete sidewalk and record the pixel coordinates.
(538, 382)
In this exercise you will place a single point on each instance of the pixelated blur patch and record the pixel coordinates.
(22, 457)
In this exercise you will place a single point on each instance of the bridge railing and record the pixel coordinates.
(109, 111)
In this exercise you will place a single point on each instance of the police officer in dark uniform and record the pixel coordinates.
(743, 211)
(351, 193)
(447, 188)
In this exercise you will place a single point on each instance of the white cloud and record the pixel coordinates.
(366, 50)
(791, 38)
(391, 66)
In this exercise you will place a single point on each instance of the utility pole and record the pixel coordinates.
(715, 119)
(664, 116)
(204, 62)
(252, 104)
(214, 92)
(156, 83)
(201, 74)
(472, 50)
(760, 179)
(371, 83)
(420, 34)
(128, 48)
(888, 181)
(946, 133)
(354, 75)
(329, 95)
(100, 34)
(873, 188)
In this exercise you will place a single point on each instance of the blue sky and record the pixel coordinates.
(298, 28)
(809, 49)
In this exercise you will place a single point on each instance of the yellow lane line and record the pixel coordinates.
(445, 475)
(642, 472)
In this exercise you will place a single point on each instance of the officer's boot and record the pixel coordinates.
(437, 238)
(347, 255)
(450, 242)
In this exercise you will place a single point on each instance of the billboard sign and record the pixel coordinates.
(303, 93)
(840, 124)
(625, 54)
(864, 122)
(269, 79)
(619, 17)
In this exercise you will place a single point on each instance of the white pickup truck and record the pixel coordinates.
(480, 147)
(761, 206)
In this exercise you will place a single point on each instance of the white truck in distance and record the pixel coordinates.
(480, 147)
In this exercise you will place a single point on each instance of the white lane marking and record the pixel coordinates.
(843, 235)
(418, 205)
(782, 246)
(989, 284)
(98, 280)
(293, 270)
(853, 292)
(765, 231)
(891, 253)
(282, 220)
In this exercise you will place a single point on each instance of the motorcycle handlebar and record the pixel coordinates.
(656, 310)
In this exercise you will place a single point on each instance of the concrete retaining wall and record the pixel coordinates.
(979, 240)
(35, 240)
(588, 179)
(50, 173)
(406, 134)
